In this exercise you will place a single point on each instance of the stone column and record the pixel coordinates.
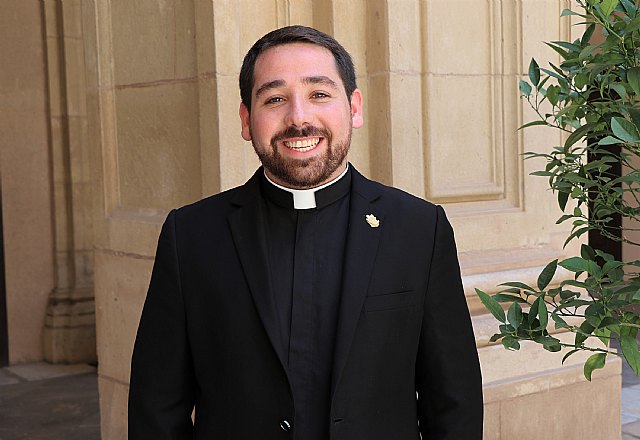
(69, 328)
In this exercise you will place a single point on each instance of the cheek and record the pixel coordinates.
(264, 128)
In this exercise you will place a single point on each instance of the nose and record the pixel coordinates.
(299, 112)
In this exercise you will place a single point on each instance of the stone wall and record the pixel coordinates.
(149, 102)
(25, 177)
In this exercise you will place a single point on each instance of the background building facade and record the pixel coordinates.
(115, 111)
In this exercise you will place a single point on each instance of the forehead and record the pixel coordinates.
(293, 62)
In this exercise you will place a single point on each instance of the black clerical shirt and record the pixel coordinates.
(306, 253)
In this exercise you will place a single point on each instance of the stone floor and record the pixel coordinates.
(49, 402)
(60, 402)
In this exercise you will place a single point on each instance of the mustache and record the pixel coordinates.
(304, 131)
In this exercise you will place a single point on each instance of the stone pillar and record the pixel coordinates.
(69, 327)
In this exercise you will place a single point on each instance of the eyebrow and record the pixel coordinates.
(307, 80)
(269, 85)
(320, 80)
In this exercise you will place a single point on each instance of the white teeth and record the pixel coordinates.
(303, 145)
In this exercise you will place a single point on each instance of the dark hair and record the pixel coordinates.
(296, 34)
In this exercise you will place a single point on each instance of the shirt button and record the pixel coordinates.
(285, 425)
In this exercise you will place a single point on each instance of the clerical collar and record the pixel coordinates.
(318, 197)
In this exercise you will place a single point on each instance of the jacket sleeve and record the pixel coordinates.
(161, 393)
(448, 379)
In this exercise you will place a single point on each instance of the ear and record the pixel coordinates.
(244, 118)
(357, 118)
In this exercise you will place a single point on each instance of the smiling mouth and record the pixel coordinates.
(303, 145)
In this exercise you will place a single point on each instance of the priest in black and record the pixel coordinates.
(310, 303)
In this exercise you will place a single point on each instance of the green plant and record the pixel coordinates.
(593, 96)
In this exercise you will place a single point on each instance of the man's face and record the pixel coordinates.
(301, 119)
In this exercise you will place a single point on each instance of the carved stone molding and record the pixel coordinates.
(69, 327)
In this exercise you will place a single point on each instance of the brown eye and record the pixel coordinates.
(274, 100)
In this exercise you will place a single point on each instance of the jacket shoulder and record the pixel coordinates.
(397, 199)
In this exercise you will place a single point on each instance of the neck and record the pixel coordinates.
(305, 198)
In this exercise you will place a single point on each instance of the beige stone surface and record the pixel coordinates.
(113, 408)
(153, 41)
(406, 143)
(479, 176)
(25, 178)
(462, 53)
(158, 147)
(574, 410)
(69, 327)
(121, 286)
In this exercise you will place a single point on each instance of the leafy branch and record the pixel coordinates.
(592, 95)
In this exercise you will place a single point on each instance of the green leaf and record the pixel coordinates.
(564, 358)
(503, 298)
(510, 343)
(561, 79)
(575, 234)
(620, 90)
(519, 285)
(586, 37)
(605, 256)
(607, 6)
(534, 73)
(550, 343)
(525, 88)
(578, 134)
(532, 123)
(610, 265)
(633, 25)
(553, 92)
(563, 53)
(581, 79)
(585, 330)
(491, 305)
(567, 294)
(578, 264)
(547, 274)
(587, 252)
(563, 198)
(543, 315)
(625, 130)
(542, 173)
(514, 315)
(566, 12)
(604, 334)
(629, 7)
(560, 323)
(633, 77)
(574, 303)
(595, 361)
(629, 346)
(609, 140)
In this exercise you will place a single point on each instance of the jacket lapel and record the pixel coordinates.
(360, 254)
(247, 230)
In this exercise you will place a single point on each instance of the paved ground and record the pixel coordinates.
(60, 402)
(49, 402)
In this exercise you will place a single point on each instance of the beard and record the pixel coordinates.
(304, 173)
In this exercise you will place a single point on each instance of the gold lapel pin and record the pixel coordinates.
(372, 220)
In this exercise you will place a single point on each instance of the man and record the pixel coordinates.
(309, 303)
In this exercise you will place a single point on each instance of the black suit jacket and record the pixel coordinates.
(405, 359)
